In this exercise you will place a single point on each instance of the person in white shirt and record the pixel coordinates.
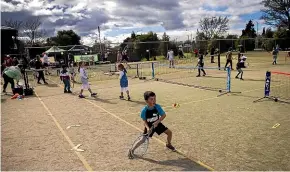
(170, 56)
(85, 81)
(45, 62)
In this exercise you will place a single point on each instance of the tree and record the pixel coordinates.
(66, 37)
(249, 31)
(269, 33)
(276, 13)
(32, 29)
(14, 24)
(264, 32)
(163, 48)
(133, 35)
(213, 27)
(282, 36)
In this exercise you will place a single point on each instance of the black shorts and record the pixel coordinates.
(125, 59)
(45, 64)
(159, 129)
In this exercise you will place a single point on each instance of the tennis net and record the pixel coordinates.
(280, 85)
(277, 86)
(102, 72)
(182, 74)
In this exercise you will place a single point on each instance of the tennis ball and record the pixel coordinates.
(276, 100)
(220, 91)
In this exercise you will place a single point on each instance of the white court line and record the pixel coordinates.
(81, 158)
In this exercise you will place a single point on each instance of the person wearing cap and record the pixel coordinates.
(240, 65)
(229, 57)
(9, 75)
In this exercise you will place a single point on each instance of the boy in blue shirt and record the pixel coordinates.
(152, 115)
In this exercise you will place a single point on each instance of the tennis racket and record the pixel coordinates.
(142, 149)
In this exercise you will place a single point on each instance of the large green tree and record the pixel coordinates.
(277, 13)
(246, 39)
(64, 38)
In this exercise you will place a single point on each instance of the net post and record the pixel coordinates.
(228, 84)
(153, 71)
(228, 79)
(219, 61)
(137, 70)
(267, 87)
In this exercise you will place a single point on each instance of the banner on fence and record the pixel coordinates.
(86, 58)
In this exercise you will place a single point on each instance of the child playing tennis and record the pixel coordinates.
(200, 65)
(240, 65)
(64, 76)
(72, 72)
(123, 81)
(152, 115)
(85, 81)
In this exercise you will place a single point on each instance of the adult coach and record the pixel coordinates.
(38, 67)
(9, 74)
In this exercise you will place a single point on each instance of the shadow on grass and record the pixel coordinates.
(138, 102)
(184, 163)
(100, 100)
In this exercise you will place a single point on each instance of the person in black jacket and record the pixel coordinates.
(212, 52)
(39, 68)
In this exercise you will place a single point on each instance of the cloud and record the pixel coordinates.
(120, 17)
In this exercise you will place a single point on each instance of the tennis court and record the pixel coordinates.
(229, 132)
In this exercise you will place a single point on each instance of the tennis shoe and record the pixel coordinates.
(169, 146)
(130, 154)
(81, 96)
(93, 94)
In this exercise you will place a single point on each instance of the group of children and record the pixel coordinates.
(229, 58)
(66, 75)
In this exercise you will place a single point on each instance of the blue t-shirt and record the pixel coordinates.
(157, 106)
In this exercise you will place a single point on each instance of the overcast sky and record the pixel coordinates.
(118, 18)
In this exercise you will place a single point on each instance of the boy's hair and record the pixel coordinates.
(148, 94)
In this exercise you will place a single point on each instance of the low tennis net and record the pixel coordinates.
(277, 86)
(186, 75)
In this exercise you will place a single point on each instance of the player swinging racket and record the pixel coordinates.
(240, 65)
(152, 115)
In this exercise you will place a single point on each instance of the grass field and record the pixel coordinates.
(229, 132)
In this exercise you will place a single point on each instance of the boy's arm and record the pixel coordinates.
(146, 125)
(161, 113)
(143, 116)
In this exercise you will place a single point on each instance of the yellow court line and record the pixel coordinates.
(160, 141)
(83, 160)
